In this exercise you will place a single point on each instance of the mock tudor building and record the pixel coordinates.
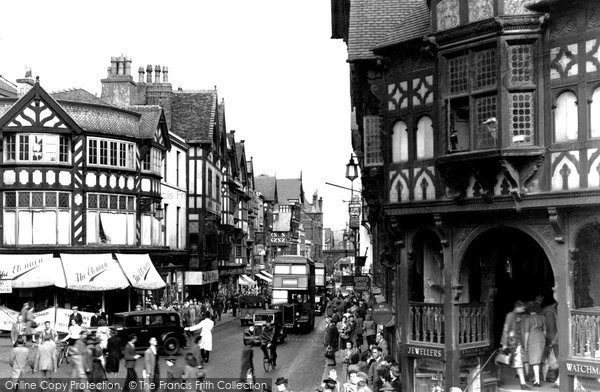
(478, 139)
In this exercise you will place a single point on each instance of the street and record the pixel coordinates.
(300, 358)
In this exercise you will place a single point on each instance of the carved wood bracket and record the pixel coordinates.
(555, 218)
(437, 219)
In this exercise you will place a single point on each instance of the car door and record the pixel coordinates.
(134, 325)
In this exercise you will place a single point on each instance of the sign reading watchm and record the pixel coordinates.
(585, 369)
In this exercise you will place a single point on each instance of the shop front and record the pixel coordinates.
(201, 284)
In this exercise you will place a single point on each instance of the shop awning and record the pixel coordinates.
(93, 272)
(245, 280)
(265, 273)
(29, 271)
(140, 271)
(263, 277)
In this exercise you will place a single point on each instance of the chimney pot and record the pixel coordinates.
(149, 73)
(121, 65)
(157, 74)
(113, 66)
(141, 74)
(165, 71)
(128, 66)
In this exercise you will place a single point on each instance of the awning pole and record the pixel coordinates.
(129, 299)
(103, 302)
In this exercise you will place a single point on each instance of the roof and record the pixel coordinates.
(293, 259)
(7, 89)
(150, 118)
(371, 22)
(266, 185)
(289, 189)
(415, 25)
(194, 114)
(283, 221)
(78, 95)
(105, 120)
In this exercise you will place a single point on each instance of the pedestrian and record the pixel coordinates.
(359, 325)
(343, 330)
(331, 341)
(45, 361)
(347, 353)
(29, 320)
(512, 339)
(534, 333)
(77, 360)
(247, 362)
(369, 330)
(551, 314)
(74, 332)
(18, 329)
(113, 357)
(282, 384)
(395, 382)
(363, 366)
(329, 385)
(18, 358)
(151, 371)
(98, 373)
(174, 372)
(205, 327)
(193, 313)
(191, 369)
(103, 333)
(130, 362)
(218, 308)
(76, 316)
(376, 354)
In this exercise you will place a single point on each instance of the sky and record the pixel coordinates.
(285, 82)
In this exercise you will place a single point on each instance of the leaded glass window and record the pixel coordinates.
(521, 118)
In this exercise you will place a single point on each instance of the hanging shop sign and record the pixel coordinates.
(382, 313)
(278, 238)
(584, 369)
(361, 283)
(414, 350)
(354, 210)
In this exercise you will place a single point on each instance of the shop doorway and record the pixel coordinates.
(501, 266)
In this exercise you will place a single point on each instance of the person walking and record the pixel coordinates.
(347, 354)
(331, 340)
(46, 356)
(268, 342)
(381, 342)
(247, 362)
(343, 331)
(77, 360)
(130, 362)
(18, 329)
(151, 371)
(534, 332)
(551, 314)
(369, 330)
(98, 373)
(512, 339)
(103, 333)
(29, 320)
(174, 372)
(113, 356)
(18, 358)
(205, 327)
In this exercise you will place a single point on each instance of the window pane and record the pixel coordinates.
(113, 153)
(10, 227)
(24, 199)
(25, 226)
(130, 156)
(400, 142)
(64, 200)
(103, 152)
(103, 201)
(522, 120)
(49, 145)
(458, 74)
(50, 199)
(521, 64)
(486, 124)
(10, 199)
(92, 200)
(595, 113)
(281, 269)
(10, 148)
(565, 117)
(114, 202)
(64, 227)
(485, 69)
(91, 228)
(47, 220)
(122, 154)
(24, 147)
(37, 199)
(298, 269)
(93, 151)
(372, 145)
(425, 138)
(36, 147)
(64, 149)
(122, 202)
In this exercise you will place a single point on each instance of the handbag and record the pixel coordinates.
(329, 352)
(551, 360)
(503, 358)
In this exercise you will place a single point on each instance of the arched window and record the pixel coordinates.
(425, 138)
(595, 113)
(400, 143)
(565, 117)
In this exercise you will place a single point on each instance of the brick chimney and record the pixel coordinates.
(119, 87)
(165, 71)
(25, 84)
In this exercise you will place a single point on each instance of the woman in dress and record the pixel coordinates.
(343, 331)
(98, 374)
(512, 338)
(103, 333)
(74, 333)
(369, 331)
(534, 341)
(113, 357)
(45, 360)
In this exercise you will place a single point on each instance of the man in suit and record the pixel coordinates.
(376, 354)
(151, 371)
(382, 343)
(76, 316)
(130, 361)
(331, 338)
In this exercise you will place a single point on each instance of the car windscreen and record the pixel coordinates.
(263, 317)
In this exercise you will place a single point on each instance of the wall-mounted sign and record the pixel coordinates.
(354, 210)
(474, 351)
(382, 313)
(197, 278)
(5, 286)
(278, 238)
(425, 351)
(584, 369)
(361, 283)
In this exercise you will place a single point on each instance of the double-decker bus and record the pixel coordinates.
(294, 291)
(320, 289)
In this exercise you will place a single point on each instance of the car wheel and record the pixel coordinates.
(171, 345)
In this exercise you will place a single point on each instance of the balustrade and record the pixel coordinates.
(473, 325)
(585, 332)
(426, 323)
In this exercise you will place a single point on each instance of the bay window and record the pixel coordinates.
(152, 162)
(38, 148)
(110, 219)
(112, 153)
(26, 212)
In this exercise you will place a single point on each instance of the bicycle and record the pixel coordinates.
(267, 362)
(63, 353)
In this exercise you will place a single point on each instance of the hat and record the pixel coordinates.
(281, 380)
(362, 375)
(329, 383)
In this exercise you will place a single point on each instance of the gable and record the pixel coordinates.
(39, 110)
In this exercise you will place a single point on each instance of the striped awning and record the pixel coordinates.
(265, 273)
(263, 277)
(245, 280)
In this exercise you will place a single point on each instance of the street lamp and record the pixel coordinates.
(353, 210)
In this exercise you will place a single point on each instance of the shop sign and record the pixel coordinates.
(382, 313)
(584, 369)
(348, 280)
(474, 351)
(361, 283)
(278, 238)
(425, 351)
(197, 278)
(354, 210)
(5, 286)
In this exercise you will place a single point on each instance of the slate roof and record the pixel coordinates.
(283, 221)
(371, 22)
(150, 118)
(78, 95)
(415, 25)
(289, 188)
(265, 185)
(194, 114)
(7, 89)
(106, 120)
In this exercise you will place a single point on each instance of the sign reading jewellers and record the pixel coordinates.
(425, 351)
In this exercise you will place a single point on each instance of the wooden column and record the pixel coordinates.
(406, 363)
(452, 377)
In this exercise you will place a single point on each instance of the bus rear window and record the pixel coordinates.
(279, 296)
(281, 269)
(298, 269)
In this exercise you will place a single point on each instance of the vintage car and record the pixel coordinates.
(164, 325)
(252, 333)
(248, 305)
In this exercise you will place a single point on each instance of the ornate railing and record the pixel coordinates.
(585, 332)
(473, 325)
(426, 324)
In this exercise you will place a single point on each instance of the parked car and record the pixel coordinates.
(252, 333)
(164, 325)
(249, 304)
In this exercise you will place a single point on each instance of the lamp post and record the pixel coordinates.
(354, 210)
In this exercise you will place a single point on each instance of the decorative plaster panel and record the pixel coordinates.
(146, 185)
(90, 179)
(64, 178)
(517, 7)
(563, 62)
(23, 177)
(130, 183)
(594, 168)
(480, 9)
(9, 177)
(102, 180)
(50, 177)
(112, 181)
(122, 182)
(592, 51)
(447, 14)
(399, 186)
(565, 170)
